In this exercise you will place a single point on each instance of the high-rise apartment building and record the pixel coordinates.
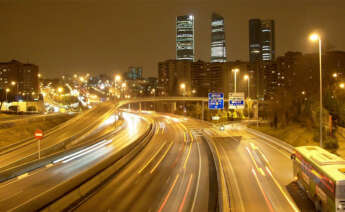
(185, 37)
(218, 47)
(261, 40)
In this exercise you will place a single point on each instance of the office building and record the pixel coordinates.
(185, 37)
(218, 47)
(261, 40)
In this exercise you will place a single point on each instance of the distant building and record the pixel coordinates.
(267, 40)
(254, 40)
(261, 40)
(171, 74)
(200, 77)
(185, 37)
(134, 73)
(20, 78)
(218, 47)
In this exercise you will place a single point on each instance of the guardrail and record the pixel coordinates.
(223, 193)
(273, 140)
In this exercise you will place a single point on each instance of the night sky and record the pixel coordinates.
(98, 36)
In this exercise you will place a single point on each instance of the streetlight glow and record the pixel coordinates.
(117, 78)
(183, 86)
(13, 83)
(7, 90)
(335, 75)
(342, 85)
(314, 37)
(246, 77)
(60, 90)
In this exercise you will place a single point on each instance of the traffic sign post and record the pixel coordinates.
(39, 136)
(236, 100)
(215, 101)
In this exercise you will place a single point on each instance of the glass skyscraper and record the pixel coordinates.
(218, 47)
(185, 37)
(261, 40)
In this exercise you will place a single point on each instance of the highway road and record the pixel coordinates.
(174, 172)
(77, 128)
(28, 188)
(255, 170)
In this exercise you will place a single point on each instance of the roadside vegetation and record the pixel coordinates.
(13, 132)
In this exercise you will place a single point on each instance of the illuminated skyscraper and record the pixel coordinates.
(185, 37)
(218, 47)
(261, 40)
(268, 40)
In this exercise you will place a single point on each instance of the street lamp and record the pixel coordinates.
(246, 77)
(315, 37)
(342, 85)
(183, 88)
(335, 75)
(7, 90)
(235, 73)
(60, 90)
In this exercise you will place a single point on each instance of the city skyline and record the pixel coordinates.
(115, 48)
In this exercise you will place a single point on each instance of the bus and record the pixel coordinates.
(322, 175)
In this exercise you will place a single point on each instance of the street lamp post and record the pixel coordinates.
(7, 90)
(235, 73)
(316, 37)
(246, 77)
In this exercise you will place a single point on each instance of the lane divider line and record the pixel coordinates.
(148, 162)
(160, 160)
(169, 193)
(185, 194)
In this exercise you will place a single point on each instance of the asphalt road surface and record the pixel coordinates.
(26, 187)
(174, 172)
(256, 171)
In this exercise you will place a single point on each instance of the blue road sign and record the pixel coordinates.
(215, 101)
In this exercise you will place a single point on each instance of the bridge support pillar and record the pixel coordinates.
(202, 110)
(173, 107)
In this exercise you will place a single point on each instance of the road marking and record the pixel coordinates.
(292, 204)
(234, 180)
(186, 160)
(168, 195)
(198, 180)
(23, 176)
(148, 162)
(160, 160)
(268, 202)
(185, 194)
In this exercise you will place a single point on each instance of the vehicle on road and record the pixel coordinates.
(322, 175)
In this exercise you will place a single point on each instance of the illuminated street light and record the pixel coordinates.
(315, 37)
(7, 90)
(117, 78)
(303, 92)
(75, 76)
(183, 88)
(246, 77)
(81, 79)
(39, 75)
(342, 85)
(335, 75)
(236, 70)
(60, 90)
(123, 85)
(13, 83)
